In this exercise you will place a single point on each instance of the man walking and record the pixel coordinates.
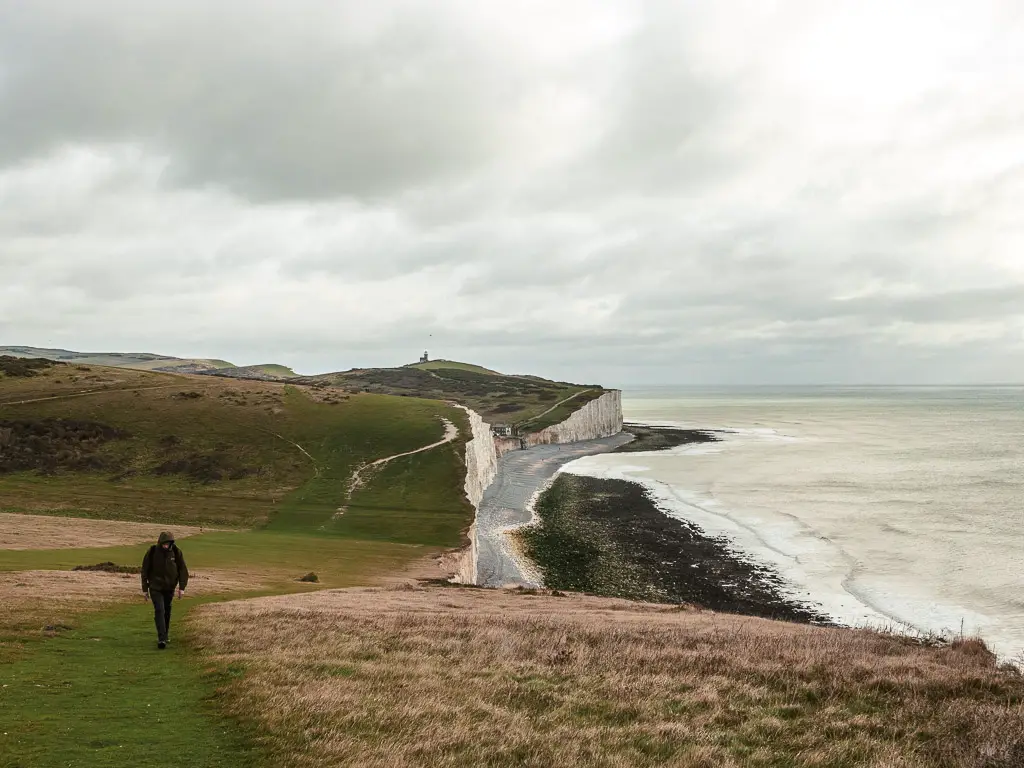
(163, 570)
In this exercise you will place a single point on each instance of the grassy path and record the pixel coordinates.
(102, 695)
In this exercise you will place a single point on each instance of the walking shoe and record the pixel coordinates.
(162, 644)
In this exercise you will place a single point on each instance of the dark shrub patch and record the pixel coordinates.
(203, 468)
(170, 441)
(54, 444)
(508, 408)
(24, 366)
(108, 567)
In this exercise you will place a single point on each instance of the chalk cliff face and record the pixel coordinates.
(598, 418)
(481, 465)
(481, 458)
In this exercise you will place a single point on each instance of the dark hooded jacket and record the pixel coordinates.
(163, 570)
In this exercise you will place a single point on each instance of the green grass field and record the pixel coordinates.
(438, 365)
(98, 693)
(99, 696)
(276, 370)
(280, 454)
(529, 402)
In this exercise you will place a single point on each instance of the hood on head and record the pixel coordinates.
(165, 537)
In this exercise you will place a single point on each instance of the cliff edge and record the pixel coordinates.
(597, 419)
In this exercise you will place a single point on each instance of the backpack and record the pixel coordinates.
(155, 547)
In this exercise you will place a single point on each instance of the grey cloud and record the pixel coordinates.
(655, 195)
(253, 96)
(946, 307)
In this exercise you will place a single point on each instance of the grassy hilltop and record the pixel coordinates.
(528, 402)
(256, 479)
(436, 365)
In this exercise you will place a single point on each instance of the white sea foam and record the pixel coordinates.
(813, 569)
(883, 508)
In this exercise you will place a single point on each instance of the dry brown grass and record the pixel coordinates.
(33, 602)
(452, 677)
(42, 532)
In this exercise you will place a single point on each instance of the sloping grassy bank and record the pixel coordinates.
(133, 445)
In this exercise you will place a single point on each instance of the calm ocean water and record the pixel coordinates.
(884, 506)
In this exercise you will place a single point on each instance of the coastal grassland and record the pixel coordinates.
(276, 559)
(265, 371)
(465, 677)
(271, 369)
(164, 364)
(607, 537)
(415, 499)
(83, 682)
(36, 605)
(516, 400)
(192, 450)
(282, 371)
(560, 411)
(437, 365)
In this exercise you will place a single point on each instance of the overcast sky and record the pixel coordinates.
(613, 192)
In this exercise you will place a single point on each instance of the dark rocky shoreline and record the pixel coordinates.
(609, 538)
(646, 438)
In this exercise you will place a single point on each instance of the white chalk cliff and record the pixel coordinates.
(481, 465)
(599, 418)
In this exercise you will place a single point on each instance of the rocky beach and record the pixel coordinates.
(608, 537)
(505, 505)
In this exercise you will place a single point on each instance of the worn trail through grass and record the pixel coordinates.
(361, 474)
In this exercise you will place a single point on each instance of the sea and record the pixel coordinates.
(896, 508)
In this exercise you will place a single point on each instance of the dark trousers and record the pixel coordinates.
(162, 611)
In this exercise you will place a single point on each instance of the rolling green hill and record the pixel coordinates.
(436, 365)
(265, 372)
(144, 361)
(170, 365)
(273, 369)
(147, 361)
(137, 445)
(530, 402)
